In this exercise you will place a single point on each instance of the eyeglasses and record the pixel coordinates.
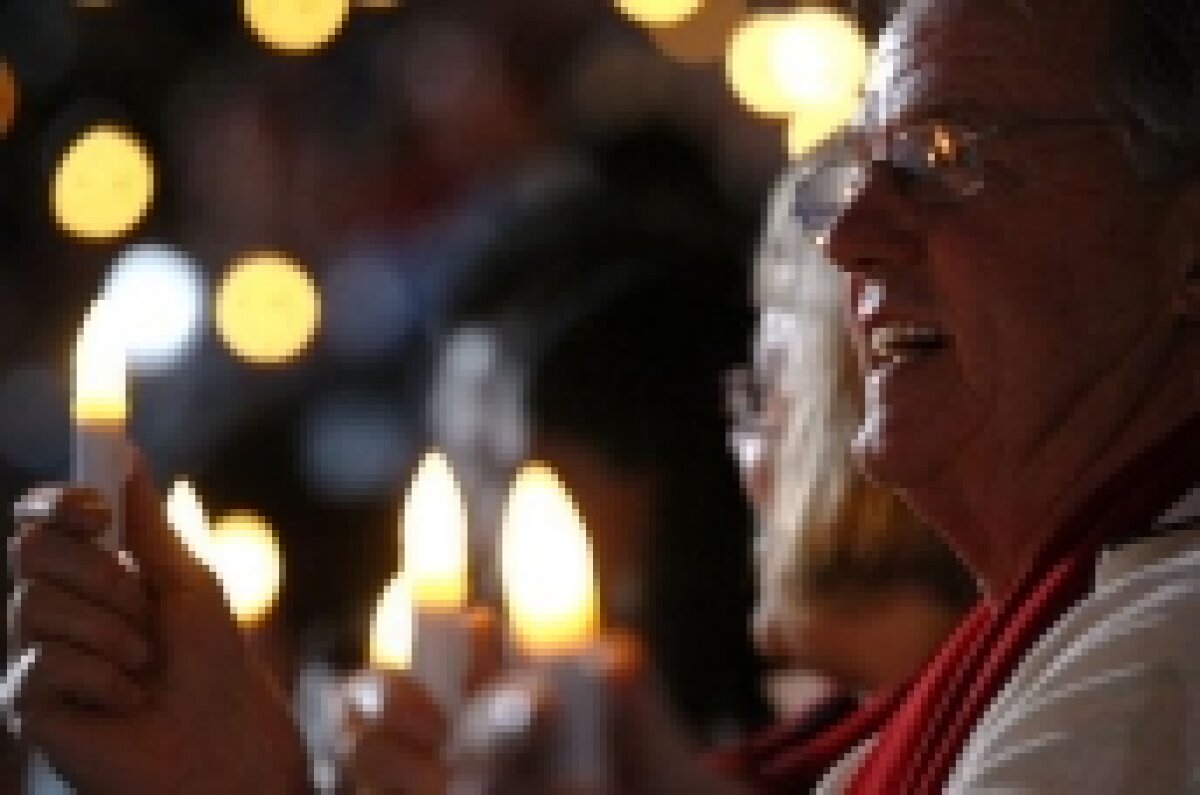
(932, 163)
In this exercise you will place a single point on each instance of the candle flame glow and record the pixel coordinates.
(186, 515)
(546, 565)
(100, 387)
(244, 555)
(434, 523)
(240, 549)
(391, 642)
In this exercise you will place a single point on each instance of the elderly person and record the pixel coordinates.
(1019, 220)
(850, 584)
(1021, 230)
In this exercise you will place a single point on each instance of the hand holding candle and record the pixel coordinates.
(99, 408)
(435, 564)
(550, 590)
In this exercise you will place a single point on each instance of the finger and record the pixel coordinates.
(148, 537)
(377, 764)
(39, 611)
(62, 675)
(78, 511)
(90, 572)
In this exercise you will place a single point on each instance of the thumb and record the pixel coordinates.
(148, 536)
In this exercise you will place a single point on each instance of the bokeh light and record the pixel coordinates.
(391, 638)
(244, 555)
(356, 446)
(103, 185)
(9, 97)
(780, 64)
(807, 129)
(546, 565)
(658, 12)
(185, 513)
(703, 36)
(267, 308)
(295, 26)
(370, 304)
(159, 296)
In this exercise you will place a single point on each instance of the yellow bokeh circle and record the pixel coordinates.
(779, 64)
(814, 125)
(295, 26)
(103, 184)
(267, 308)
(658, 12)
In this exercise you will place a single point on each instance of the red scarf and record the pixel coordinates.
(924, 727)
(920, 742)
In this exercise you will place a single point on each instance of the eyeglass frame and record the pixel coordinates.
(860, 139)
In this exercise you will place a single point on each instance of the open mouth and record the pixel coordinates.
(905, 342)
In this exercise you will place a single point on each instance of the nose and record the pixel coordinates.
(876, 227)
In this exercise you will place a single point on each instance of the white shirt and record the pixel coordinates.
(1107, 702)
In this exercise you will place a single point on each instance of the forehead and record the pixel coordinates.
(1000, 54)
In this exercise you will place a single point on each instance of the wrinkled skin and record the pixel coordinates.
(1053, 285)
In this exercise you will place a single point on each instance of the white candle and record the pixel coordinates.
(550, 591)
(99, 408)
(434, 522)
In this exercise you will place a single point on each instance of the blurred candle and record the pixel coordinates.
(244, 555)
(186, 515)
(391, 642)
(239, 548)
(550, 591)
(99, 407)
(434, 522)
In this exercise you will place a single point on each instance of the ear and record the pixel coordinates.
(1180, 252)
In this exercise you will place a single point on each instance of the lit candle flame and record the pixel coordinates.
(244, 555)
(434, 522)
(100, 386)
(186, 515)
(240, 550)
(391, 642)
(546, 566)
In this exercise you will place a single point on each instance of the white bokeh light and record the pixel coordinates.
(159, 294)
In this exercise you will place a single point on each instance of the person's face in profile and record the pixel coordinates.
(989, 303)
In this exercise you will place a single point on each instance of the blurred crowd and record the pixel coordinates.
(532, 235)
